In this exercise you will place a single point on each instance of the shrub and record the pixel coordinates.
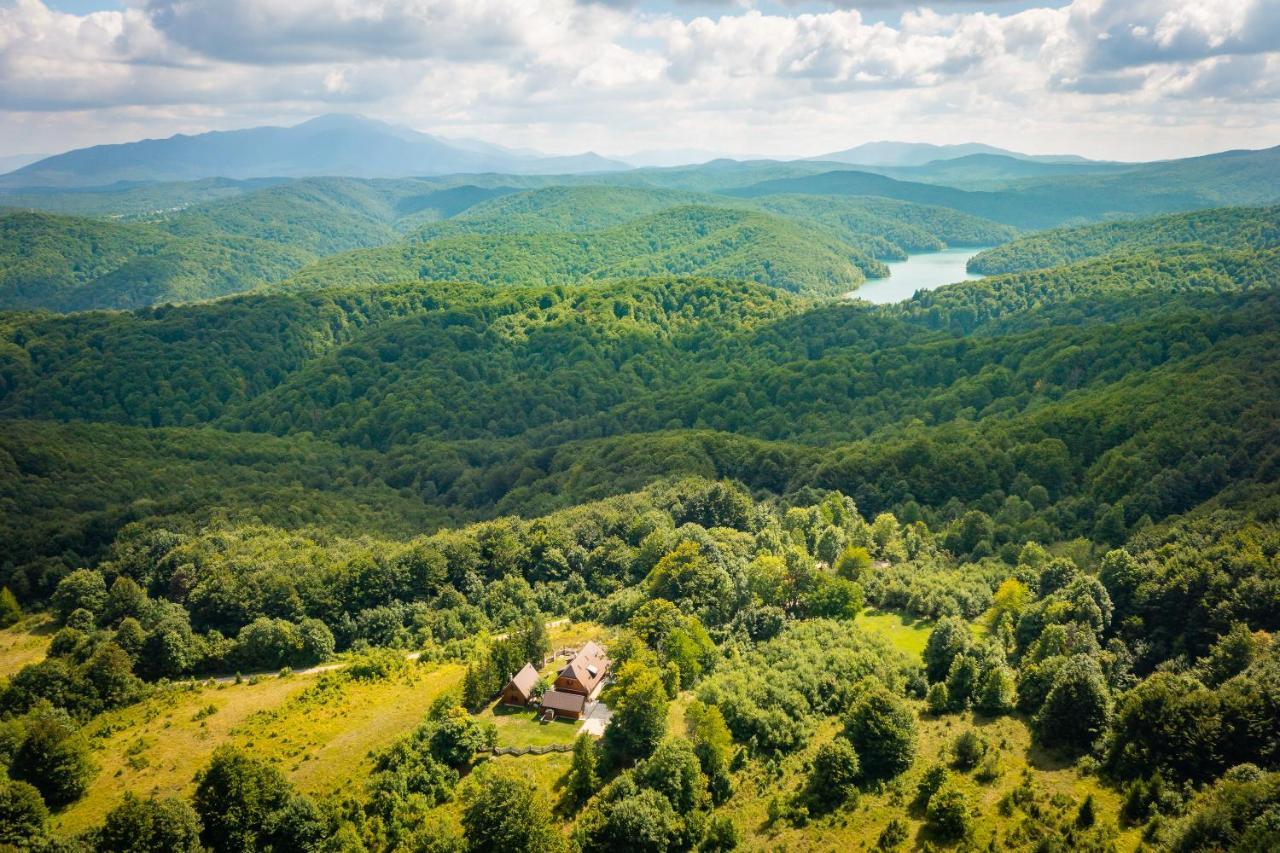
(53, 756)
(22, 814)
(722, 834)
(882, 728)
(835, 773)
(377, 664)
(949, 813)
(894, 834)
(968, 748)
(150, 826)
(938, 699)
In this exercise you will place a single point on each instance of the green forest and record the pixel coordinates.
(295, 476)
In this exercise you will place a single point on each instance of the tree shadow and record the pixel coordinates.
(1040, 757)
(44, 627)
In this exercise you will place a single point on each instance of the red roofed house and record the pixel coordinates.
(585, 672)
(519, 689)
(579, 681)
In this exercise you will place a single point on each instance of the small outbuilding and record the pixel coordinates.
(519, 689)
(563, 704)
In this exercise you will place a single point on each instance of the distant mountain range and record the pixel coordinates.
(921, 153)
(346, 145)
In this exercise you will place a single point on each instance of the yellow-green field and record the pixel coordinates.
(905, 633)
(319, 729)
(857, 826)
(24, 643)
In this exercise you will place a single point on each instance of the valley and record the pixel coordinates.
(897, 505)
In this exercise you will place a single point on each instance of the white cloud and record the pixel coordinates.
(566, 74)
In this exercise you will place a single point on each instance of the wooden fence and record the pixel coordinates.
(533, 750)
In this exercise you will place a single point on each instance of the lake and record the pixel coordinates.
(924, 271)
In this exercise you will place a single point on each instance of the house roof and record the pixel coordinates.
(524, 680)
(558, 700)
(588, 666)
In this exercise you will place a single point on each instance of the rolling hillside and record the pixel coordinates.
(1253, 228)
(1240, 177)
(70, 264)
(691, 240)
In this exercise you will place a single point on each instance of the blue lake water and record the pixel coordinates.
(918, 272)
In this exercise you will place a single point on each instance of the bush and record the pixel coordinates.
(150, 826)
(968, 748)
(22, 813)
(53, 756)
(835, 773)
(377, 664)
(722, 834)
(989, 768)
(882, 728)
(938, 699)
(894, 834)
(10, 611)
(933, 778)
(949, 813)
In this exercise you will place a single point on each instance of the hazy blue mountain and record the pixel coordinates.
(919, 153)
(1229, 178)
(345, 145)
(990, 170)
(9, 162)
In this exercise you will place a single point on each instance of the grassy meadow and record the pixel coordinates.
(1058, 788)
(319, 729)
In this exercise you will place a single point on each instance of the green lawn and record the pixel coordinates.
(521, 727)
(906, 633)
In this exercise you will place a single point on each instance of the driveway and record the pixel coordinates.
(597, 719)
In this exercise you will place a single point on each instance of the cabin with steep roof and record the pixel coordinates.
(519, 690)
(586, 672)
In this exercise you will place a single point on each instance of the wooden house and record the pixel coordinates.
(519, 689)
(585, 672)
(561, 704)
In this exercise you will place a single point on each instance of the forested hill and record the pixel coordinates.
(728, 244)
(1057, 488)
(263, 235)
(523, 399)
(1236, 177)
(70, 263)
(824, 228)
(1242, 227)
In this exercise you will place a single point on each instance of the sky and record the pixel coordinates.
(1113, 79)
